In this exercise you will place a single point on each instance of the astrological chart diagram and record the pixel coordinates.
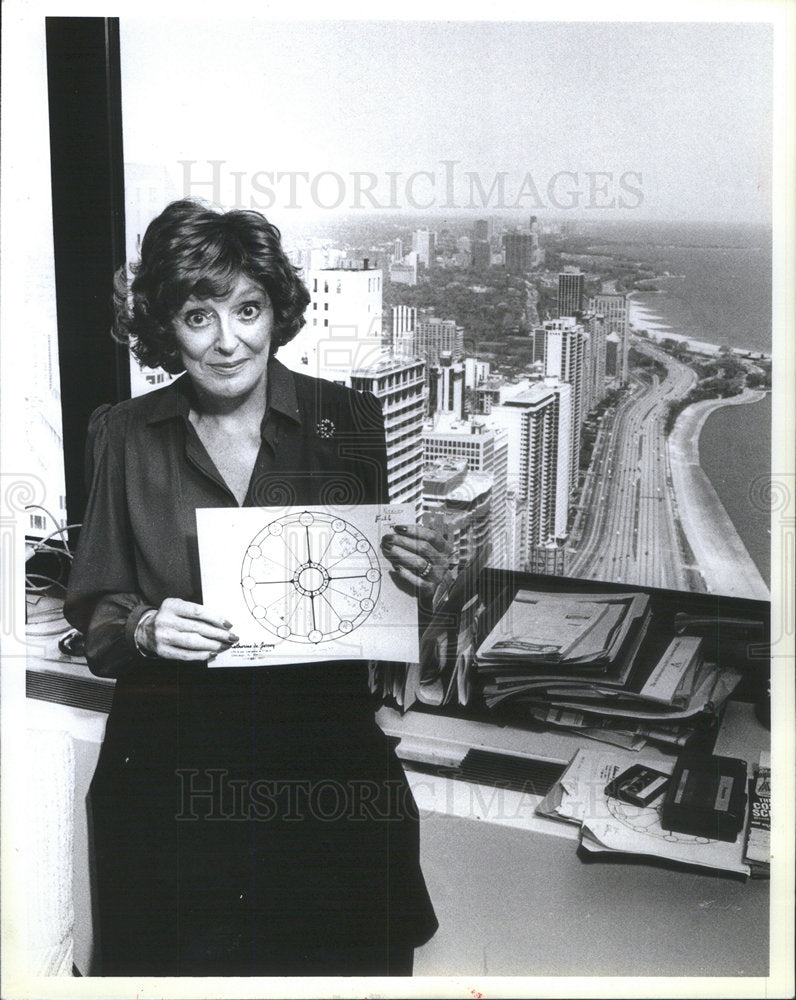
(310, 577)
(647, 819)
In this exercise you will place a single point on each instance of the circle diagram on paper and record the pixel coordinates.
(310, 577)
(647, 819)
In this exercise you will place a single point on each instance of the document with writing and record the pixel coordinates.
(608, 825)
(306, 584)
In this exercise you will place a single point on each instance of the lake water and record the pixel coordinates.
(720, 292)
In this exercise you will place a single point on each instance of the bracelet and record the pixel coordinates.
(145, 617)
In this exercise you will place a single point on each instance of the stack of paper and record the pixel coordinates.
(569, 644)
(572, 661)
(608, 825)
(566, 631)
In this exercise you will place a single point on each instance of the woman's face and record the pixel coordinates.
(225, 343)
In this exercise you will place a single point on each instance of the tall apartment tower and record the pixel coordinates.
(481, 230)
(404, 319)
(404, 273)
(519, 251)
(425, 245)
(614, 308)
(595, 325)
(463, 500)
(401, 388)
(570, 293)
(485, 449)
(434, 337)
(537, 421)
(560, 346)
(613, 357)
(343, 327)
(446, 383)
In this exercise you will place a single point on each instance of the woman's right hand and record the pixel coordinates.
(182, 630)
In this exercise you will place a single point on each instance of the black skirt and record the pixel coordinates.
(254, 822)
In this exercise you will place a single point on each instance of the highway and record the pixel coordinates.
(629, 528)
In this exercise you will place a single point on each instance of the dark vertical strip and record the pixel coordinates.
(87, 168)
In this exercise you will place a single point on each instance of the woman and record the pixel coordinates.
(246, 821)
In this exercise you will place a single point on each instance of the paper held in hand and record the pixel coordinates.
(303, 584)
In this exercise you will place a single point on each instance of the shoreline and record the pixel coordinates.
(642, 318)
(720, 554)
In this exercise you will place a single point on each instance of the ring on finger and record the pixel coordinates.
(423, 573)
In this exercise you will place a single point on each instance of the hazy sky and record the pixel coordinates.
(685, 107)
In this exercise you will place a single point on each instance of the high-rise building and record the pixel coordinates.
(463, 499)
(403, 331)
(434, 337)
(537, 417)
(485, 450)
(405, 272)
(533, 228)
(570, 293)
(403, 345)
(446, 386)
(404, 319)
(481, 254)
(613, 307)
(519, 252)
(613, 356)
(560, 347)
(400, 385)
(343, 326)
(481, 230)
(487, 393)
(550, 558)
(424, 243)
(595, 325)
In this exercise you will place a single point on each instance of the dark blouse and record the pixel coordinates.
(284, 886)
(320, 443)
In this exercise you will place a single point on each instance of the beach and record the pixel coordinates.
(720, 555)
(642, 318)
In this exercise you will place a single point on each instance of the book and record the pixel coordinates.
(758, 837)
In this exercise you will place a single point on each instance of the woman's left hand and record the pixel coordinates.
(421, 555)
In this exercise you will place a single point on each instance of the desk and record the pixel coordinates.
(511, 893)
(515, 903)
(514, 898)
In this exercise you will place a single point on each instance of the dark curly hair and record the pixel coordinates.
(193, 250)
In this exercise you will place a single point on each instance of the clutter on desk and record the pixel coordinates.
(612, 826)
(594, 680)
(626, 667)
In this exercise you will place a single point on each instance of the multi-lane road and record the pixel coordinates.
(630, 531)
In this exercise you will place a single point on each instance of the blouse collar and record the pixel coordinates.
(175, 399)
